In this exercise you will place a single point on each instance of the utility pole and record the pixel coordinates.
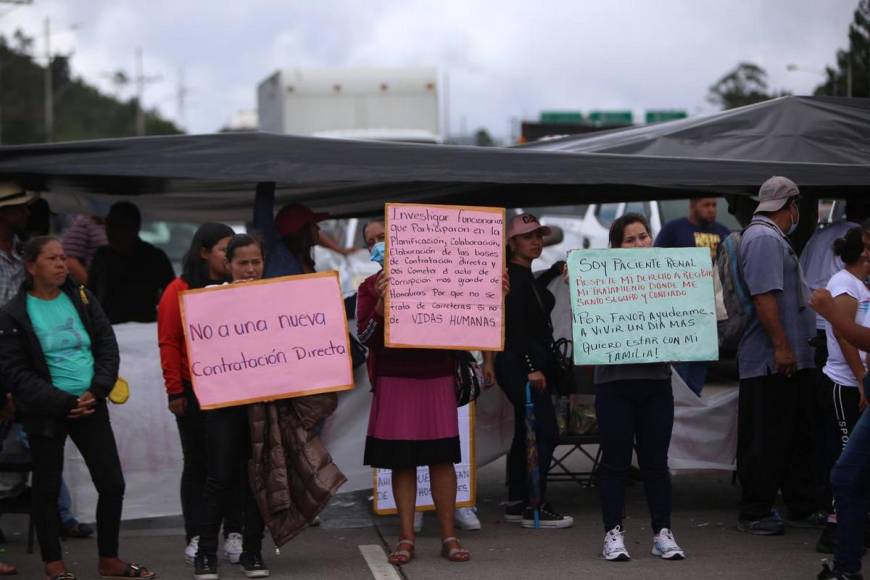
(141, 80)
(49, 89)
(181, 100)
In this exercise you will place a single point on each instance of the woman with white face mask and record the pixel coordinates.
(413, 418)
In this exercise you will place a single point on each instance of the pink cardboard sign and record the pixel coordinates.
(265, 340)
(445, 264)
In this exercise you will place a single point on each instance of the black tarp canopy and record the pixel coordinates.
(821, 143)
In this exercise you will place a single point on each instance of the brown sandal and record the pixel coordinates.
(459, 554)
(400, 557)
(132, 571)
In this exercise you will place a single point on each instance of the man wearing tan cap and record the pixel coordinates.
(13, 223)
(774, 448)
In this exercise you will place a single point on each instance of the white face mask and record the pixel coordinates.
(794, 225)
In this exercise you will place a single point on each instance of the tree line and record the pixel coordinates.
(81, 111)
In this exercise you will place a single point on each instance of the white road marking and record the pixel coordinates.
(377, 562)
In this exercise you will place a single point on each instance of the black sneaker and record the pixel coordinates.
(830, 572)
(771, 525)
(548, 518)
(828, 540)
(513, 512)
(253, 565)
(205, 567)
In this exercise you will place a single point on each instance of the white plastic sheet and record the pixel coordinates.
(705, 430)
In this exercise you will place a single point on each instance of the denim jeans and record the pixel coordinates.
(635, 413)
(850, 480)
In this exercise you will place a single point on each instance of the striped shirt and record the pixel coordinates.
(83, 237)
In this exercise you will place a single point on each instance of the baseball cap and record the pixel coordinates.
(13, 194)
(525, 223)
(294, 217)
(775, 193)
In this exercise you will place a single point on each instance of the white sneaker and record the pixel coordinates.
(233, 547)
(666, 547)
(191, 549)
(466, 519)
(418, 522)
(614, 546)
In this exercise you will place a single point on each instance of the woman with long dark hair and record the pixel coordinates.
(204, 264)
(59, 357)
(228, 442)
(635, 408)
(846, 368)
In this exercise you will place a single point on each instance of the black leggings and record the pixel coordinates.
(94, 439)
(228, 438)
(512, 379)
(840, 414)
(191, 430)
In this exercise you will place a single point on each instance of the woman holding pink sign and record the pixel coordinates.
(228, 441)
(413, 418)
(204, 264)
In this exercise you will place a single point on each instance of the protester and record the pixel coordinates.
(59, 357)
(81, 240)
(820, 263)
(39, 218)
(465, 518)
(634, 404)
(850, 477)
(698, 230)
(204, 264)
(289, 238)
(228, 441)
(128, 275)
(528, 358)
(15, 206)
(774, 449)
(14, 201)
(843, 375)
(413, 418)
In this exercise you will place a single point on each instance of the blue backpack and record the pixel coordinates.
(736, 299)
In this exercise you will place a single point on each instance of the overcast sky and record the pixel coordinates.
(506, 59)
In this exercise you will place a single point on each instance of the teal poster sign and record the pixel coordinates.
(642, 305)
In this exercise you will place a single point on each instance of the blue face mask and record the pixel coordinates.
(793, 227)
(377, 253)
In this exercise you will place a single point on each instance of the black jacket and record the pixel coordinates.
(41, 407)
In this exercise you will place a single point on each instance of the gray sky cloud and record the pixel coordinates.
(505, 59)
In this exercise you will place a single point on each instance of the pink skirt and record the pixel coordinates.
(413, 422)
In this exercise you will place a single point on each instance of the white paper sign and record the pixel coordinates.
(466, 474)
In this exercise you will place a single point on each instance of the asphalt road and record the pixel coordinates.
(703, 522)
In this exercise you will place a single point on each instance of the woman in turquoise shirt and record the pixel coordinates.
(59, 358)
